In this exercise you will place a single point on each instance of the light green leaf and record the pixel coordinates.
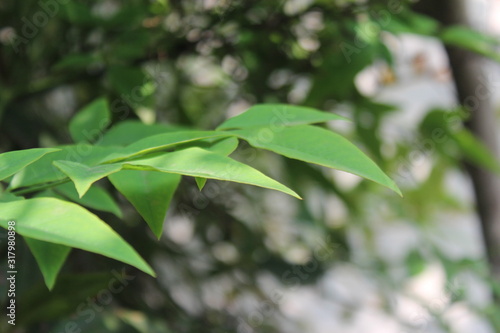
(149, 192)
(14, 161)
(276, 116)
(223, 146)
(319, 146)
(160, 142)
(43, 171)
(50, 258)
(198, 162)
(95, 198)
(90, 122)
(61, 222)
(84, 176)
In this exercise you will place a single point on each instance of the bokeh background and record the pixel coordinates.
(352, 256)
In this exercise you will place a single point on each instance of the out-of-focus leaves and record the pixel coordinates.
(415, 263)
(439, 128)
(413, 23)
(77, 62)
(90, 122)
(128, 82)
(475, 151)
(471, 40)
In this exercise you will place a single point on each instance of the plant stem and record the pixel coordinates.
(39, 187)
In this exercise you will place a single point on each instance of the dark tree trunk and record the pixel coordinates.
(471, 82)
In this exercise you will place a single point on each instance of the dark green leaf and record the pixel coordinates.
(50, 257)
(90, 122)
(95, 198)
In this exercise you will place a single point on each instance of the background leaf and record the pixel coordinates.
(90, 122)
(277, 116)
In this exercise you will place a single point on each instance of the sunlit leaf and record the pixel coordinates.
(198, 162)
(319, 146)
(61, 222)
(84, 176)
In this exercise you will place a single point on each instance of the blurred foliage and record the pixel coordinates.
(194, 64)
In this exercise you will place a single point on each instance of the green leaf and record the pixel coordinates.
(50, 258)
(475, 151)
(127, 81)
(200, 182)
(95, 198)
(43, 171)
(319, 146)
(8, 196)
(198, 162)
(77, 62)
(411, 22)
(160, 142)
(61, 222)
(128, 132)
(223, 146)
(14, 161)
(471, 40)
(90, 122)
(149, 192)
(275, 116)
(83, 175)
